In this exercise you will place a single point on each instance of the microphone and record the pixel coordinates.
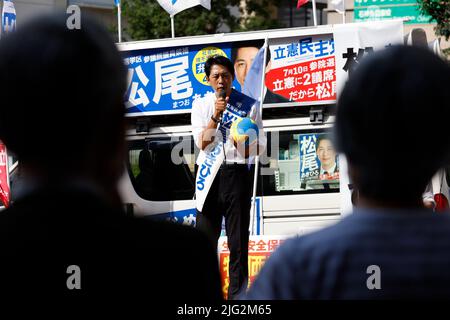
(222, 94)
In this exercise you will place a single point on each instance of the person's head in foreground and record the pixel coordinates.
(62, 113)
(62, 108)
(391, 124)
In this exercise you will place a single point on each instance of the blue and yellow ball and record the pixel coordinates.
(244, 130)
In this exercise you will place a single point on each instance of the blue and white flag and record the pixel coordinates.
(117, 2)
(175, 6)
(8, 17)
(253, 80)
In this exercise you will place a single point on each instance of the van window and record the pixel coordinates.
(299, 162)
(162, 169)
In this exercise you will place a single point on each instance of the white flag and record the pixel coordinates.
(175, 6)
(8, 17)
(337, 5)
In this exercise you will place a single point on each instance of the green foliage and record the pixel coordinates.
(259, 16)
(146, 19)
(439, 10)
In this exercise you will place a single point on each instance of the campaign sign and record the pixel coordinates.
(303, 69)
(167, 79)
(309, 165)
(318, 161)
(259, 250)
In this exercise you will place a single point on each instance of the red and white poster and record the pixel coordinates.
(302, 69)
(259, 250)
(4, 176)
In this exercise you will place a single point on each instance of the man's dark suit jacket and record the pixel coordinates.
(44, 233)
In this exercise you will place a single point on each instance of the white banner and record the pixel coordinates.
(175, 6)
(353, 41)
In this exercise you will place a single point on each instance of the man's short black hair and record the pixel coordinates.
(62, 92)
(220, 60)
(392, 122)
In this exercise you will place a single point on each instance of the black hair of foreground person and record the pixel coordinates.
(391, 124)
(62, 114)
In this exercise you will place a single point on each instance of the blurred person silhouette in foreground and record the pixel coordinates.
(62, 114)
(390, 246)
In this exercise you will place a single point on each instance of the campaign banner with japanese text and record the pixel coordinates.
(354, 41)
(259, 250)
(309, 165)
(169, 79)
(302, 69)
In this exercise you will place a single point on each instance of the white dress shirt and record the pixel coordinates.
(203, 109)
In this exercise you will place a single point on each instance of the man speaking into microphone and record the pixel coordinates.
(225, 167)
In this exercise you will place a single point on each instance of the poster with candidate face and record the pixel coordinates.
(319, 165)
(167, 80)
(302, 69)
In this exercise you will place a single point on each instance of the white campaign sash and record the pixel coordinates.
(175, 6)
(209, 164)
